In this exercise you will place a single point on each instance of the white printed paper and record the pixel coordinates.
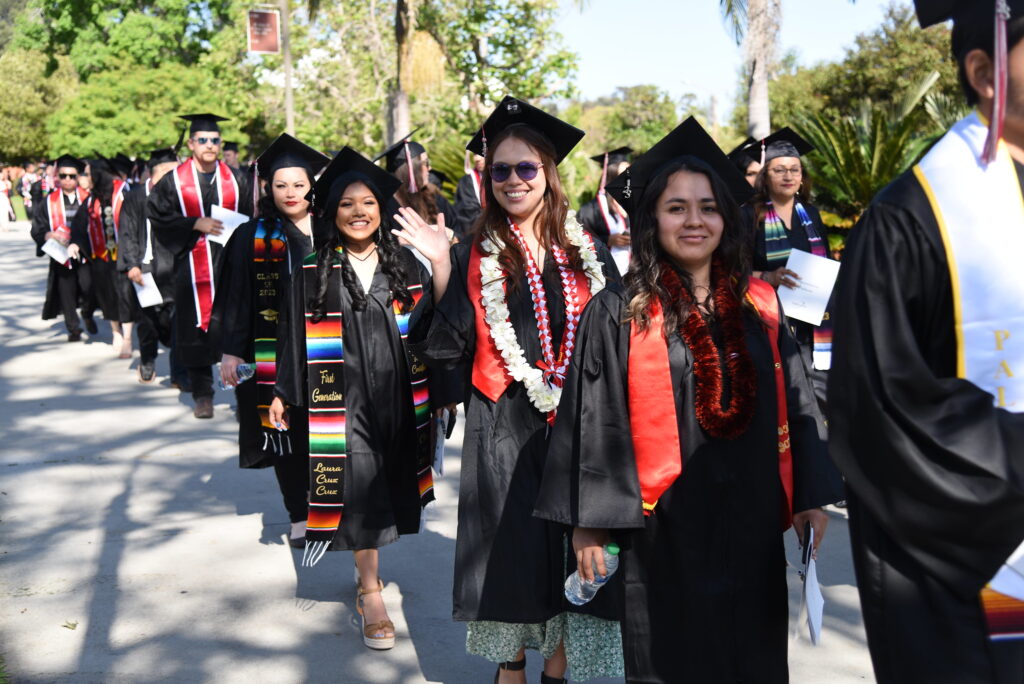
(442, 423)
(812, 603)
(808, 300)
(230, 219)
(148, 293)
(1009, 580)
(57, 251)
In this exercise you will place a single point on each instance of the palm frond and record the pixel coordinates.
(734, 13)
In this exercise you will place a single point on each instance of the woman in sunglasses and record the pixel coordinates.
(508, 304)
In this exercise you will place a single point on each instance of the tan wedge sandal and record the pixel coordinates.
(375, 635)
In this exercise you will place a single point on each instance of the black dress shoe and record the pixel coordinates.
(75, 336)
(90, 325)
(147, 373)
(204, 407)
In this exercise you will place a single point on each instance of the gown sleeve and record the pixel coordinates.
(232, 315)
(443, 334)
(929, 455)
(447, 386)
(590, 477)
(291, 344)
(467, 206)
(129, 246)
(80, 229)
(174, 231)
(816, 481)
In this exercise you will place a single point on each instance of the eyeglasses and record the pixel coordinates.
(67, 176)
(780, 171)
(203, 141)
(526, 171)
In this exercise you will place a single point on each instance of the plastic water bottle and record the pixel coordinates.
(579, 591)
(244, 372)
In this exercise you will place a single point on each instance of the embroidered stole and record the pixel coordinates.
(117, 203)
(100, 244)
(777, 249)
(58, 219)
(652, 406)
(328, 448)
(489, 373)
(271, 267)
(980, 213)
(190, 199)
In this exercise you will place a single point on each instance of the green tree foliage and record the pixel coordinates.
(9, 11)
(29, 98)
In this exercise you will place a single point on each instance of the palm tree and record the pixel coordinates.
(755, 25)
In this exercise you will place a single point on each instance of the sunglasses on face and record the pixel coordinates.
(67, 176)
(203, 141)
(526, 171)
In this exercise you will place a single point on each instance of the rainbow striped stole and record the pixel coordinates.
(1004, 615)
(328, 448)
(269, 256)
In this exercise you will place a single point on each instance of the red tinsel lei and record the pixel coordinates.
(732, 421)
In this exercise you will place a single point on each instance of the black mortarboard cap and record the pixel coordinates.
(348, 165)
(67, 160)
(438, 177)
(616, 156)
(784, 142)
(122, 163)
(287, 152)
(161, 156)
(931, 12)
(230, 147)
(564, 137)
(394, 156)
(202, 122)
(688, 139)
(744, 153)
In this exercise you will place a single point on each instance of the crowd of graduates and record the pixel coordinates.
(628, 376)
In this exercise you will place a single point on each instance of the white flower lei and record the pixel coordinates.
(542, 395)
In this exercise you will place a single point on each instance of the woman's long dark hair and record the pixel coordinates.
(389, 252)
(424, 201)
(643, 281)
(762, 196)
(102, 181)
(493, 221)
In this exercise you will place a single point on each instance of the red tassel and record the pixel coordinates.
(604, 173)
(255, 190)
(413, 188)
(995, 131)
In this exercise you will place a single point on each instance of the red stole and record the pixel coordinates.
(97, 235)
(117, 202)
(652, 414)
(186, 182)
(55, 212)
(489, 373)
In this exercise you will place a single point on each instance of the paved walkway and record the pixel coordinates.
(132, 548)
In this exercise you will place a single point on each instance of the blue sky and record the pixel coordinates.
(683, 46)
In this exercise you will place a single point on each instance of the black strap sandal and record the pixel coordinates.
(544, 679)
(511, 666)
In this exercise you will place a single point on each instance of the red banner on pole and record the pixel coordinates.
(264, 31)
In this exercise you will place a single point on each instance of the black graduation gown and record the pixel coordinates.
(177, 236)
(467, 207)
(802, 331)
(103, 294)
(382, 499)
(705, 575)
(590, 216)
(233, 324)
(509, 565)
(131, 244)
(40, 227)
(933, 468)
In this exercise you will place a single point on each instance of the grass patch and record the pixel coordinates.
(4, 679)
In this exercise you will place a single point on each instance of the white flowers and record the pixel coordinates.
(542, 395)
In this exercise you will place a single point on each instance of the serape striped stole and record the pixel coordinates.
(328, 448)
(777, 249)
(270, 268)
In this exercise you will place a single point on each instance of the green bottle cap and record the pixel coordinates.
(613, 548)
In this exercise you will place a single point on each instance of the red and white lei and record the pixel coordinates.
(543, 383)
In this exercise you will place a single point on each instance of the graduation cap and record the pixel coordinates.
(202, 122)
(438, 178)
(347, 167)
(230, 147)
(287, 152)
(688, 139)
(161, 156)
(510, 112)
(66, 160)
(122, 163)
(784, 142)
(613, 157)
(979, 24)
(744, 153)
(401, 151)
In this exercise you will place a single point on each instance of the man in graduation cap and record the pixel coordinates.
(179, 208)
(927, 386)
(408, 161)
(603, 216)
(747, 159)
(137, 254)
(69, 280)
